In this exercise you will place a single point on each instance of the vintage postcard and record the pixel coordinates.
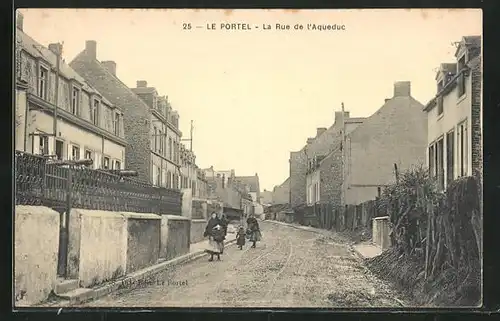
(248, 158)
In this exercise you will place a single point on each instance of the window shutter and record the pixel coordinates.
(68, 155)
(50, 93)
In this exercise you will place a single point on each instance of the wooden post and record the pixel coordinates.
(430, 213)
(396, 172)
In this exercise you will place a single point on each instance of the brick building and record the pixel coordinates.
(166, 167)
(324, 173)
(89, 126)
(146, 153)
(394, 134)
(454, 116)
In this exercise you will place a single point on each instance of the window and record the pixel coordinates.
(461, 78)
(75, 101)
(75, 152)
(432, 158)
(169, 179)
(42, 83)
(88, 155)
(106, 162)
(155, 134)
(118, 165)
(440, 163)
(463, 148)
(117, 124)
(59, 149)
(450, 160)
(158, 176)
(94, 113)
(440, 105)
(161, 142)
(44, 145)
(170, 148)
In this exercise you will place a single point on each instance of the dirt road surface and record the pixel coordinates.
(289, 268)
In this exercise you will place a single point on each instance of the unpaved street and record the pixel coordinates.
(289, 268)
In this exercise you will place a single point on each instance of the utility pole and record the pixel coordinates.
(343, 147)
(191, 137)
(56, 98)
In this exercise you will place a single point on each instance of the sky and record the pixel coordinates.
(255, 95)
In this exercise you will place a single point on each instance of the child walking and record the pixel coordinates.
(240, 237)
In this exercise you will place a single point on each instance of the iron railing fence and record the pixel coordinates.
(41, 182)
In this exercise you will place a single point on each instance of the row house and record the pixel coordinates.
(151, 127)
(201, 186)
(166, 163)
(394, 137)
(454, 116)
(87, 125)
(188, 169)
(301, 183)
(324, 172)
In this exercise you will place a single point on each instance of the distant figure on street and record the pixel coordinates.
(240, 237)
(253, 230)
(216, 237)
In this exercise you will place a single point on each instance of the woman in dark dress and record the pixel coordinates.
(253, 230)
(216, 236)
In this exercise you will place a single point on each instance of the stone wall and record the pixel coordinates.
(105, 245)
(187, 203)
(175, 236)
(199, 209)
(298, 168)
(197, 229)
(331, 178)
(380, 233)
(36, 245)
(143, 240)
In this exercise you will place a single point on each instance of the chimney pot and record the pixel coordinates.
(310, 140)
(338, 116)
(320, 130)
(110, 66)
(19, 21)
(55, 48)
(387, 99)
(142, 84)
(402, 89)
(91, 48)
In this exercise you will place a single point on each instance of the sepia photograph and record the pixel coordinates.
(248, 158)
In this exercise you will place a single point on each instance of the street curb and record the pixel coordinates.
(303, 228)
(135, 277)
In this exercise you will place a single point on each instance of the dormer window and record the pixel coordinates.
(42, 82)
(94, 113)
(461, 78)
(75, 101)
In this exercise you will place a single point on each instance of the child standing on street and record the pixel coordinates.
(240, 237)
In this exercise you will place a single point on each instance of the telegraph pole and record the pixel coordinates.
(343, 146)
(56, 98)
(191, 137)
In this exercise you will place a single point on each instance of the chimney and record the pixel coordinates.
(55, 48)
(338, 116)
(402, 89)
(310, 140)
(19, 21)
(386, 100)
(91, 48)
(142, 84)
(320, 131)
(110, 66)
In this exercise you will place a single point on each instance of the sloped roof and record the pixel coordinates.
(448, 67)
(37, 50)
(111, 86)
(251, 181)
(144, 90)
(396, 133)
(474, 41)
